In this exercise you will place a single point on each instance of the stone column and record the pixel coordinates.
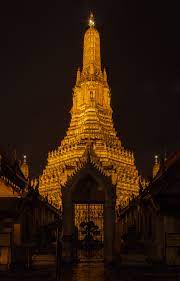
(109, 231)
(68, 226)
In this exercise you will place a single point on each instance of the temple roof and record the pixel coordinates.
(167, 181)
(91, 161)
(11, 172)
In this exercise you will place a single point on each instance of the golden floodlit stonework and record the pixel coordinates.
(91, 133)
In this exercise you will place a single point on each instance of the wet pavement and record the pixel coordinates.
(84, 272)
(94, 271)
(99, 272)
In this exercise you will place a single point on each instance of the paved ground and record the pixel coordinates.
(97, 272)
(93, 272)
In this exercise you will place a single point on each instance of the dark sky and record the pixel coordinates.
(41, 48)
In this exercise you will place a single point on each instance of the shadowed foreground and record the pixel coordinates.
(94, 271)
(99, 272)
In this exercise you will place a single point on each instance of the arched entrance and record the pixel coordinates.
(88, 199)
(88, 216)
(89, 222)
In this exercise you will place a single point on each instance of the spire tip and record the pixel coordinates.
(24, 158)
(91, 20)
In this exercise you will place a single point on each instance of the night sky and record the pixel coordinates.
(41, 48)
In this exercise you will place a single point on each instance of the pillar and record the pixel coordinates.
(109, 231)
(68, 226)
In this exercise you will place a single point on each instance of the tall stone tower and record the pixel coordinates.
(91, 133)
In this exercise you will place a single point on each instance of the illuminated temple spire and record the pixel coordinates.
(91, 111)
(91, 49)
(25, 167)
(92, 126)
(156, 166)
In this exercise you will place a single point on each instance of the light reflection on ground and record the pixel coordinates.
(96, 271)
(84, 272)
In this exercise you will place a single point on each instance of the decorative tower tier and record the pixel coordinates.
(91, 129)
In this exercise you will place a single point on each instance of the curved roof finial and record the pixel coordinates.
(91, 20)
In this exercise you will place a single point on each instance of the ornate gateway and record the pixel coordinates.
(90, 226)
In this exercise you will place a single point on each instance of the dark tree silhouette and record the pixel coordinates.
(90, 230)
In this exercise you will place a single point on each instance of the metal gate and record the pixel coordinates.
(90, 225)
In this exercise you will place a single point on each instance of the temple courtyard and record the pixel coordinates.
(95, 271)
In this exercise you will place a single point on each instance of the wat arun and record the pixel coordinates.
(91, 135)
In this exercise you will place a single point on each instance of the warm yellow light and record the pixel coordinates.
(91, 135)
(91, 20)
(156, 159)
(24, 158)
